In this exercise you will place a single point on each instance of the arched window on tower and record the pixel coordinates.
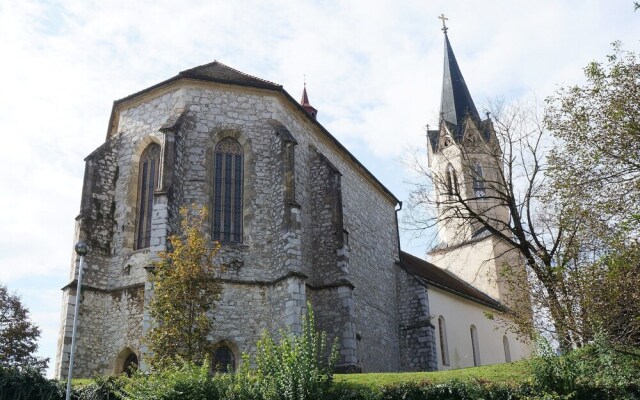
(507, 350)
(475, 346)
(147, 183)
(478, 181)
(444, 348)
(223, 360)
(227, 191)
(451, 180)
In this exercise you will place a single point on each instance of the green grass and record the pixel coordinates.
(507, 374)
(78, 382)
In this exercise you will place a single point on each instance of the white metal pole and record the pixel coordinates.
(81, 249)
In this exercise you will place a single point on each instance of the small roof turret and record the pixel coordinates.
(305, 103)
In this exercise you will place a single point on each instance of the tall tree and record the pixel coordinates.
(595, 171)
(18, 335)
(185, 291)
(596, 165)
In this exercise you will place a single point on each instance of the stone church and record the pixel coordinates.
(298, 218)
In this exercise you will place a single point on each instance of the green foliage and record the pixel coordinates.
(18, 335)
(185, 290)
(182, 380)
(597, 371)
(512, 373)
(296, 367)
(27, 384)
(99, 389)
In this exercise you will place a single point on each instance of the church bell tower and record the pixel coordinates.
(465, 163)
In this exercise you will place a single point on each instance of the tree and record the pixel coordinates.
(185, 291)
(18, 335)
(511, 200)
(596, 165)
(595, 171)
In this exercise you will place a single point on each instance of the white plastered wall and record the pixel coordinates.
(459, 314)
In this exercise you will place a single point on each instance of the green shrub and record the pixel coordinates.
(185, 381)
(294, 368)
(28, 384)
(100, 389)
(597, 371)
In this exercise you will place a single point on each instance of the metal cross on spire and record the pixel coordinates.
(444, 23)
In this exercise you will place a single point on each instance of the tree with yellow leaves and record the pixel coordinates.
(185, 290)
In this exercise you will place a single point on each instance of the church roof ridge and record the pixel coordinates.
(218, 71)
(445, 280)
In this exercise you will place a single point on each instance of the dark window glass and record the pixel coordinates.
(478, 181)
(147, 182)
(227, 191)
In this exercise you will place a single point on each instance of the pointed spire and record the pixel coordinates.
(305, 102)
(456, 101)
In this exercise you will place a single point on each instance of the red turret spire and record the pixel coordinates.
(305, 103)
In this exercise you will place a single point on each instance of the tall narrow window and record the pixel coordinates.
(451, 180)
(147, 183)
(478, 181)
(227, 191)
(507, 350)
(475, 346)
(444, 348)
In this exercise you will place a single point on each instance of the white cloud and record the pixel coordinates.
(373, 69)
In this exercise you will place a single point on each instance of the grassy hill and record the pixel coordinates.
(507, 374)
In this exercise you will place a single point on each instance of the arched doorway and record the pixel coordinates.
(126, 362)
(223, 359)
(130, 364)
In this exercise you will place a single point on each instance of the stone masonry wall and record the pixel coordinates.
(417, 340)
(266, 275)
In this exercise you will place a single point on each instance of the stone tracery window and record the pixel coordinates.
(228, 191)
(479, 189)
(451, 180)
(147, 183)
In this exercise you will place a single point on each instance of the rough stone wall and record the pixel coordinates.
(265, 276)
(417, 340)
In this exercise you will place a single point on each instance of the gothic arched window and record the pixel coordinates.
(451, 180)
(147, 183)
(223, 360)
(227, 191)
(444, 348)
(478, 180)
(475, 346)
(507, 350)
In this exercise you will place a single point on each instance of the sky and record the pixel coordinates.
(373, 70)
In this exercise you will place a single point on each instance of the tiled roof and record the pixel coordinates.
(219, 72)
(445, 280)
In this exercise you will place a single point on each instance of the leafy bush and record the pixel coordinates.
(27, 384)
(598, 371)
(100, 389)
(297, 367)
(184, 381)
